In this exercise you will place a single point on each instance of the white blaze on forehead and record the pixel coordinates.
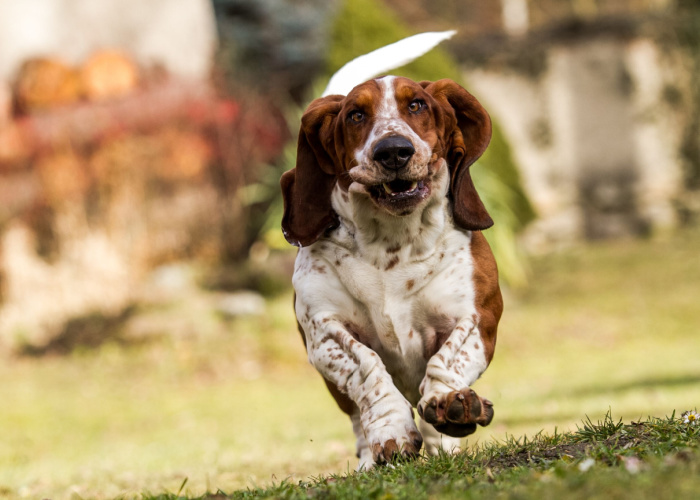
(388, 120)
(388, 109)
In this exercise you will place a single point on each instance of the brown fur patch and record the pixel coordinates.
(488, 300)
(392, 263)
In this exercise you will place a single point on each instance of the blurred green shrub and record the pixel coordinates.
(364, 25)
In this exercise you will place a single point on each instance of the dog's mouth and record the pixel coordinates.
(400, 195)
(398, 189)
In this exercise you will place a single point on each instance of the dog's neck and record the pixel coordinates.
(379, 236)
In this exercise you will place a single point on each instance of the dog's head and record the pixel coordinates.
(389, 137)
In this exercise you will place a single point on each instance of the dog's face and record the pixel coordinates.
(390, 142)
(387, 137)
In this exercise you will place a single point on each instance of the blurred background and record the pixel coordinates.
(147, 336)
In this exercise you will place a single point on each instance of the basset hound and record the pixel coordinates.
(396, 288)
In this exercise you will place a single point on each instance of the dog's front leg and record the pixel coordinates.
(448, 402)
(386, 417)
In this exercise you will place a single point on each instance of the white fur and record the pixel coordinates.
(433, 441)
(392, 280)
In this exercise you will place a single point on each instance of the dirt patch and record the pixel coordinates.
(527, 455)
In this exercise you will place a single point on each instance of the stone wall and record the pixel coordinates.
(596, 129)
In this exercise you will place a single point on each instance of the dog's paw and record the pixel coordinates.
(390, 430)
(395, 440)
(456, 413)
(406, 446)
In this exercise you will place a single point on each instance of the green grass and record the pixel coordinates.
(234, 405)
(657, 458)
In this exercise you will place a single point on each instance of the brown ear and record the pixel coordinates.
(468, 132)
(307, 188)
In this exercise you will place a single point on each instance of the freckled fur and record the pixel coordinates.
(411, 314)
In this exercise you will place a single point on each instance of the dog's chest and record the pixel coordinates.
(404, 307)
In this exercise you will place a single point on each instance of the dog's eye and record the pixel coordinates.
(356, 116)
(416, 105)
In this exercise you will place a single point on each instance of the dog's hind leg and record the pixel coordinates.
(364, 453)
(434, 441)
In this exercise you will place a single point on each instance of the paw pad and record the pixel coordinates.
(457, 413)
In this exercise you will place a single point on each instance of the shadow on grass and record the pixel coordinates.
(597, 390)
(86, 332)
(537, 419)
(642, 383)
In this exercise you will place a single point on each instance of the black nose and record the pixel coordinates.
(393, 152)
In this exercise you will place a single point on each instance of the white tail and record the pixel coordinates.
(386, 58)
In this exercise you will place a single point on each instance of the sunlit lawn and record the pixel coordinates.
(607, 326)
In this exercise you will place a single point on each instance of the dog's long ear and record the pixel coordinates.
(307, 188)
(467, 134)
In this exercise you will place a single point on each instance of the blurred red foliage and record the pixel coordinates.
(135, 152)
